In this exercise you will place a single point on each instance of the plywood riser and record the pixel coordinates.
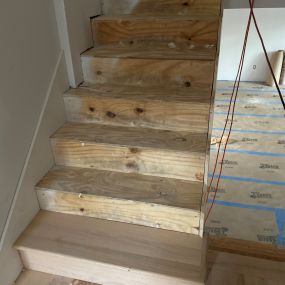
(96, 272)
(165, 115)
(145, 214)
(147, 161)
(160, 7)
(149, 72)
(154, 31)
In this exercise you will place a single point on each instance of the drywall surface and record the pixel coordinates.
(234, 4)
(73, 20)
(39, 160)
(29, 52)
(271, 23)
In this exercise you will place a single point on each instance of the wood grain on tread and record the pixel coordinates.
(135, 187)
(37, 278)
(185, 74)
(133, 150)
(132, 30)
(165, 94)
(144, 200)
(162, 51)
(161, 7)
(137, 109)
(105, 252)
(247, 248)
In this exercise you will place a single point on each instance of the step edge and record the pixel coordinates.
(195, 269)
(206, 17)
(196, 154)
(87, 57)
(194, 211)
(93, 93)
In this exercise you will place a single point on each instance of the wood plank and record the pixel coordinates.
(143, 200)
(132, 150)
(161, 50)
(29, 277)
(185, 74)
(134, 108)
(106, 252)
(183, 32)
(247, 248)
(161, 7)
(245, 268)
(142, 188)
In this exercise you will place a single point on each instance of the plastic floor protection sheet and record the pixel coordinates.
(250, 201)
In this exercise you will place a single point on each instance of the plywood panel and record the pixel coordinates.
(183, 32)
(149, 72)
(139, 109)
(144, 200)
(144, 151)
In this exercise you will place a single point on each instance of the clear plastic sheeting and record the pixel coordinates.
(250, 202)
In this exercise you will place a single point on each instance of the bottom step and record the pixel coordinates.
(37, 278)
(111, 253)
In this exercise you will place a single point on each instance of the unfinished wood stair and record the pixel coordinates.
(123, 205)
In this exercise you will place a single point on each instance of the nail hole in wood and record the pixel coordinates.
(99, 72)
(110, 115)
(185, 4)
(187, 84)
(139, 110)
(134, 150)
(82, 210)
(132, 165)
(92, 109)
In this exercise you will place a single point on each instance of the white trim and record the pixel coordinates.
(73, 21)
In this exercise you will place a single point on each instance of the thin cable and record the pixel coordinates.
(230, 106)
(252, 15)
(237, 84)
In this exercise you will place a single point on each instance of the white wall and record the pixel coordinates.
(272, 26)
(31, 71)
(73, 19)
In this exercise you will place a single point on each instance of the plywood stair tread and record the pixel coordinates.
(174, 37)
(125, 254)
(198, 15)
(143, 93)
(146, 151)
(164, 51)
(124, 186)
(170, 204)
(132, 106)
(133, 137)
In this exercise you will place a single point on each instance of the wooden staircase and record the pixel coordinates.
(123, 205)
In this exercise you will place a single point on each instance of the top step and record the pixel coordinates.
(161, 7)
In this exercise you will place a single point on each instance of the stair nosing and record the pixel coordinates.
(92, 92)
(206, 17)
(88, 55)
